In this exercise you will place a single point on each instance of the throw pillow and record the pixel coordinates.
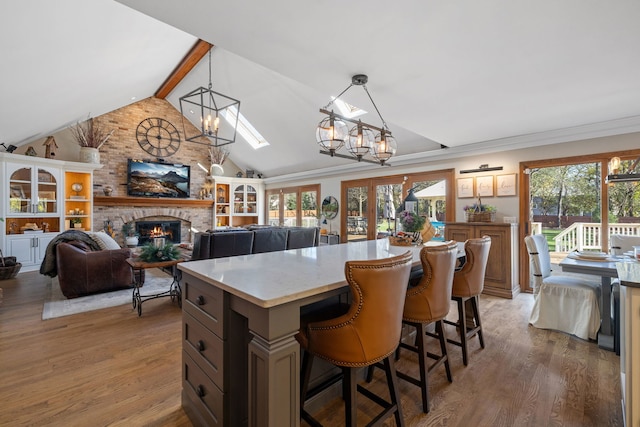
(105, 241)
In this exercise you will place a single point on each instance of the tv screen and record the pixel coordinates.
(155, 179)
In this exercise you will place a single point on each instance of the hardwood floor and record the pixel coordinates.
(110, 367)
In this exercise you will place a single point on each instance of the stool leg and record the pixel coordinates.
(476, 315)
(443, 348)
(462, 322)
(392, 381)
(423, 366)
(307, 362)
(349, 396)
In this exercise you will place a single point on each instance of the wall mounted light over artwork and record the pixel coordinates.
(482, 168)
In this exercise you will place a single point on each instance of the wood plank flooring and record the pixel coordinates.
(112, 368)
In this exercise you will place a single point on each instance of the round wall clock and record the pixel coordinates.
(158, 137)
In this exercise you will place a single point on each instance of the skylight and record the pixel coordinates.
(245, 129)
(348, 110)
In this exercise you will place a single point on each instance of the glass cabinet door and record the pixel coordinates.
(251, 200)
(238, 199)
(20, 191)
(47, 192)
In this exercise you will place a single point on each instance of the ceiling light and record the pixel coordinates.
(211, 105)
(333, 133)
(614, 176)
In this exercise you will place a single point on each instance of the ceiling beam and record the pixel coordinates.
(197, 52)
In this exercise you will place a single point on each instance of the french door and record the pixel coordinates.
(370, 205)
(569, 202)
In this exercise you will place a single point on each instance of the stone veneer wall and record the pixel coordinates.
(124, 145)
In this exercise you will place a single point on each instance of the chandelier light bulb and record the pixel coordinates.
(331, 134)
(360, 141)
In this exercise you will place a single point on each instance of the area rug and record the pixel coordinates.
(57, 305)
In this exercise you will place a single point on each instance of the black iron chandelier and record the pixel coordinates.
(218, 115)
(362, 139)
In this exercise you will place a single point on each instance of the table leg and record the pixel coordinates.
(135, 295)
(605, 336)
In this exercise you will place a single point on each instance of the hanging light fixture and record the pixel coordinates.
(615, 176)
(332, 133)
(218, 115)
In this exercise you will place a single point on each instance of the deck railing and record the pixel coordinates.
(587, 235)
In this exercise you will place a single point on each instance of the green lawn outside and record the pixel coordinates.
(550, 233)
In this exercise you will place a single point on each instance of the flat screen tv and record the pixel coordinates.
(156, 179)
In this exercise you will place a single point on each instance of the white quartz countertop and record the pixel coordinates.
(275, 278)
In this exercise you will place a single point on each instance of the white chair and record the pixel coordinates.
(563, 303)
(620, 243)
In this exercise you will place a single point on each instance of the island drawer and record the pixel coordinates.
(204, 302)
(204, 347)
(202, 393)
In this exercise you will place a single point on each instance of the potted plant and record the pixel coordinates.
(129, 234)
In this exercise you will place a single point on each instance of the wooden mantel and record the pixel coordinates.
(151, 201)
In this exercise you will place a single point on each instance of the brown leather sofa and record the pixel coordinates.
(257, 239)
(83, 271)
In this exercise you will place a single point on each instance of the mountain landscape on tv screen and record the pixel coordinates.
(156, 184)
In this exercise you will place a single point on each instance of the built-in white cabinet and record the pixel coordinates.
(238, 202)
(39, 198)
(29, 249)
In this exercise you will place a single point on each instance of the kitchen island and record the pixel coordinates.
(241, 362)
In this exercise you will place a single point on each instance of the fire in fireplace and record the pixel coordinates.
(148, 230)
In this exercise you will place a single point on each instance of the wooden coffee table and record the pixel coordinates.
(174, 291)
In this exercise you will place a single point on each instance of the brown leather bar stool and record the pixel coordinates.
(428, 302)
(468, 283)
(367, 333)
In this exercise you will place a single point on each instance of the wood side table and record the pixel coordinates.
(174, 291)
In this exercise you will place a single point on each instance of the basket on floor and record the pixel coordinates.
(9, 267)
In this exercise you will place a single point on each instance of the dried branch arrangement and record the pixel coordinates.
(218, 155)
(90, 134)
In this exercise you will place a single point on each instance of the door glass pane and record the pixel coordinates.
(432, 196)
(624, 206)
(274, 209)
(309, 209)
(46, 192)
(565, 207)
(20, 191)
(290, 205)
(356, 213)
(388, 199)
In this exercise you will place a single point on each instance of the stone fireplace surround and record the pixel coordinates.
(193, 215)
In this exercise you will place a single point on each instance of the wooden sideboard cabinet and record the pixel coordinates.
(501, 277)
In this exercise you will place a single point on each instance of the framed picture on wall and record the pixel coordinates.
(465, 188)
(506, 185)
(484, 186)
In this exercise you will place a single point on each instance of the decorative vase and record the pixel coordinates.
(216, 170)
(89, 155)
(131, 241)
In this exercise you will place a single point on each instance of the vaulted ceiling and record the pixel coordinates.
(470, 75)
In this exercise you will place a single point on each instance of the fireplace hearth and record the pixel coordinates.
(148, 230)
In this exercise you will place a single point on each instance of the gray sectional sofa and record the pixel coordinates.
(253, 240)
